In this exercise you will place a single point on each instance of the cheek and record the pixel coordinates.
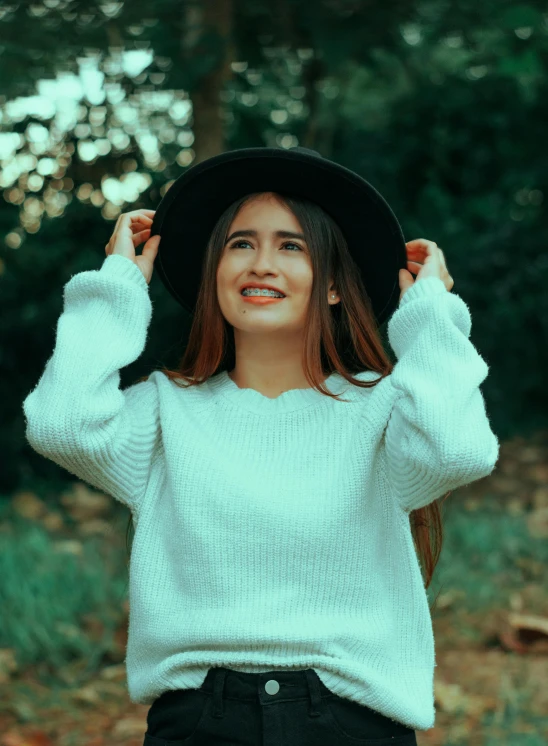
(227, 273)
(305, 286)
(222, 279)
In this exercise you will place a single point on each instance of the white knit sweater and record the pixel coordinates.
(270, 533)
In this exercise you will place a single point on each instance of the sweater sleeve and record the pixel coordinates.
(438, 437)
(77, 416)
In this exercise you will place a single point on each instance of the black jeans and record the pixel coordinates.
(276, 708)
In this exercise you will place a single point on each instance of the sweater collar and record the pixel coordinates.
(253, 401)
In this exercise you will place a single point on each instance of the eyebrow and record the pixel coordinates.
(278, 234)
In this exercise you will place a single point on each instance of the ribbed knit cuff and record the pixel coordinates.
(121, 266)
(422, 288)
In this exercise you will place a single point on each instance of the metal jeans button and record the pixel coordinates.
(272, 686)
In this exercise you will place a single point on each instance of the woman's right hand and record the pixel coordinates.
(132, 228)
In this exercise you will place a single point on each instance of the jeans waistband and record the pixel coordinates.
(265, 688)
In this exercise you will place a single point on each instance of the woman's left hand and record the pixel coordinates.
(424, 259)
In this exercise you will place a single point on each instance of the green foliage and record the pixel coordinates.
(443, 109)
(42, 581)
(488, 553)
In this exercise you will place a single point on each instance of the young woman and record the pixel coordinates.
(276, 595)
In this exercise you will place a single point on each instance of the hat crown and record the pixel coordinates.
(309, 151)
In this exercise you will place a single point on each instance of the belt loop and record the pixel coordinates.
(315, 693)
(218, 688)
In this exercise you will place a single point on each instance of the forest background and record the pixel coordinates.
(443, 107)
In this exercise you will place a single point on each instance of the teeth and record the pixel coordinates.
(261, 291)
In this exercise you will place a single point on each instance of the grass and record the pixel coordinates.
(487, 554)
(64, 607)
(59, 588)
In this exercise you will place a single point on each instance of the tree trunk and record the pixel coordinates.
(214, 19)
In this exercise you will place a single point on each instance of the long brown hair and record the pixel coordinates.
(342, 337)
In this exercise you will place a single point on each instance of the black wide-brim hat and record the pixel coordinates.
(189, 210)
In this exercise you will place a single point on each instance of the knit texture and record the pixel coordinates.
(270, 533)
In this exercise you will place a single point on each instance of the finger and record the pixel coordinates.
(442, 260)
(418, 243)
(123, 220)
(414, 267)
(422, 249)
(141, 236)
(131, 220)
(431, 252)
(141, 218)
(135, 215)
(150, 249)
(140, 212)
(140, 225)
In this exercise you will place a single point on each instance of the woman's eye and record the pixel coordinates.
(287, 243)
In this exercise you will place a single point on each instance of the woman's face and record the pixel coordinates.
(280, 261)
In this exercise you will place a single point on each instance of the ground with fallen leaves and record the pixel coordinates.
(491, 679)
